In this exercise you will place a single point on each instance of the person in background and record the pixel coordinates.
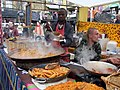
(25, 31)
(31, 29)
(94, 12)
(88, 18)
(55, 16)
(64, 29)
(13, 30)
(38, 30)
(89, 49)
(117, 21)
(20, 29)
(6, 32)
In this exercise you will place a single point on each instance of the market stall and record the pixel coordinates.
(37, 65)
(30, 61)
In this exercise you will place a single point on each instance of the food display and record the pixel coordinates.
(33, 54)
(28, 52)
(112, 30)
(48, 72)
(30, 49)
(74, 86)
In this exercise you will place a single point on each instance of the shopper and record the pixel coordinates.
(117, 21)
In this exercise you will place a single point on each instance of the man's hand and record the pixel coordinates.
(115, 60)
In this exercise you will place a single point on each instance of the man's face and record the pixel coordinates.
(94, 36)
(61, 15)
(10, 24)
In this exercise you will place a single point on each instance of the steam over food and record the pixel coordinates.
(33, 53)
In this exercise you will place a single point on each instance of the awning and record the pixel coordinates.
(92, 3)
(114, 5)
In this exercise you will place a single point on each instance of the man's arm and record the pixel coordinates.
(68, 35)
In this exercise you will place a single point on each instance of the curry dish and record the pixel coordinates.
(33, 54)
(74, 86)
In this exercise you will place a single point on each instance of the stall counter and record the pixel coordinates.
(11, 78)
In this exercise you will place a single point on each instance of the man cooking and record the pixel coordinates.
(89, 48)
(64, 29)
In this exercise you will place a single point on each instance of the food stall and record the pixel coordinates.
(37, 64)
(20, 72)
(20, 79)
(24, 67)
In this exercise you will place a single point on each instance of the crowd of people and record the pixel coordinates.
(12, 30)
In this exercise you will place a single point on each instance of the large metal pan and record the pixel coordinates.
(54, 54)
(47, 80)
(32, 50)
(100, 68)
(95, 67)
(26, 63)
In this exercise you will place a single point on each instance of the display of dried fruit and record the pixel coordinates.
(112, 30)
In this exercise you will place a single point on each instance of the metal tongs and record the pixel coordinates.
(70, 63)
(56, 37)
(50, 27)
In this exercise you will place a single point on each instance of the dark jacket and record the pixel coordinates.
(68, 33)
(96, 47)
(117, 21)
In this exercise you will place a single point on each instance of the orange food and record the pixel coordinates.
(74, 86)
(112, 30)
(49, 73)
